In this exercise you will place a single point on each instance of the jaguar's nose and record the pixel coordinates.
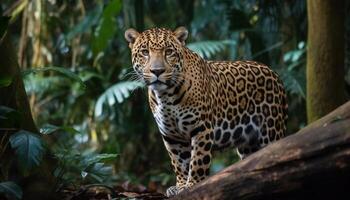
(157, 72)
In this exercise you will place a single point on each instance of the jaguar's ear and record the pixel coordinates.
(130, 36)
(181, 34)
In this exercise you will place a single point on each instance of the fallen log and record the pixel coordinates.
(314, 163)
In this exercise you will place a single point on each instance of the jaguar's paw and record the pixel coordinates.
(172, 191)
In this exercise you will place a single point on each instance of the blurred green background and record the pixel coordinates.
(75, 64)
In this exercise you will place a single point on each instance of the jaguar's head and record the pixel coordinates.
(157, 56)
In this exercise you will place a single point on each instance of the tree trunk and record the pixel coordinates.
(14, 95)
(38, 183)
(325, 57)
(314, 163)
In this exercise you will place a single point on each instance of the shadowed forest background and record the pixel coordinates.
(90, 122)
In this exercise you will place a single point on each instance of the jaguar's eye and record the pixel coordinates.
(168, 52)
(145, 52)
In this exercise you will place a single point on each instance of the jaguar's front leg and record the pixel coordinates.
(180, 154)
(201, 145)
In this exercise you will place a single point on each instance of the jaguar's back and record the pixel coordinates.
(249, 105)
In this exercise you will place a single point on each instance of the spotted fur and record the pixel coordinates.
(203, 106)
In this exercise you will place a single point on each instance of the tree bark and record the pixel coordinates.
(314, 163)
(14, 95)
(325, 57)
(40, 181)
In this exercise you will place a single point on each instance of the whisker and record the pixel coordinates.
(132, 71)
(130, 75)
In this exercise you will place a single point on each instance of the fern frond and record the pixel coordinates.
(117, 93)
(208, 49)
(294, 82)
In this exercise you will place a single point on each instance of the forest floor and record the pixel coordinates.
(121, 191)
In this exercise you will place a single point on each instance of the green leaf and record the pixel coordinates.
(28, 148)
(10, 188)
(6, 111)
(100, 158)
(49, 129)
(84, 26)
(208, 49)
(87, 75)
(301, 45)
(294, 82)
(107, 26)
(70, 130)
(98, 171)
(5, 81)
(61, 70)
(9, 117)
(293, 56)
(116, 93)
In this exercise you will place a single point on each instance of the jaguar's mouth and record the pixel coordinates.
(158, 82)
(158, 85)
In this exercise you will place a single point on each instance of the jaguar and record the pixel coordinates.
(203, 106)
